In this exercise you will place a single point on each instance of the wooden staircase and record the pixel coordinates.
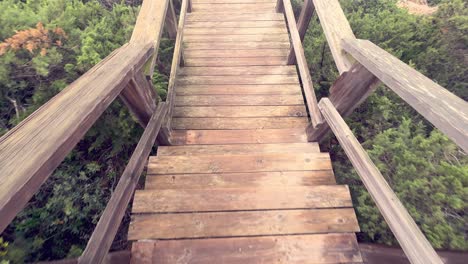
(242, 185)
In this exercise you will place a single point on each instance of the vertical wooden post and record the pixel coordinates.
(140, 97)
(279, 6)
(302, 24)
(171, 21)
(189, 6)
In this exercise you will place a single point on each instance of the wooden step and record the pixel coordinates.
(239, 122)
(260, 136)
(284, 179)
(241, 199)
(311, 147)
(236, 17)
(224, 100)
(231, 1)
(205, 7)
(206, 45)
(243, 223)
(294, 249)
(223, 62)
(235, 24)
(241, 111)
(237, 71)
(242, 89)
(235, 31)
(236, 38)
(239, 163)
(239, 80)
(239, 53)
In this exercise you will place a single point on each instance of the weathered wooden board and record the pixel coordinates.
(239, 163)
(297, 249)
(231, 1)
(203, 17)
(237, 38)
(261, 136)
(247, 70)
(235, 24)
(226, 224)
(256, 79)
(239, 123)
(217, 100)
(241, 111)
(245, 89)
(222, 62)
(238, 149)
(237, 45)
(283, 179)
(442, 108)
(236, 31)
(241, 199)
(412, 240)
(302, 25)
(221, 7)
(236, 53)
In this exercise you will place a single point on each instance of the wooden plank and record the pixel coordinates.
(302, 24)
(304, 72)
(101, 240)
(335, 27)
(30, 152)
(239, 163)
(237, 38)
(442, 108)
(411, 239)
(222, 62)
(239, 123)
(244, 198)
(219, 17)
(239, 80)
(260, 136)
(228, 224)
(347, 93)
(237, 45)
(231, 1)
(140, 97)
(236, 31)
(239, 53)
(237, 149)
(171, 21)
(241, 111)
(247, 70)
(246, 89)
(236, 24)
(219, 100)
(220, 7)
(284, 179)
(297, 249)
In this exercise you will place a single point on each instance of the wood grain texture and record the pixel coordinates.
(237, 45)
(241, 199)
(232, 1)
(221, 7)
(227, 61)
(236, 71)
(239, 123)
(303, 22)
(224, 100)
(228, 224)
(30, 152)
(260, 136)
(283, 179)
(235, 24)
(281, 37)
(236, 31)
(234, 17)
(237, 149)
(171, 21)
(335, 27)
(411, 239)
(101, 240)
(302, 66)
(248, 53)
(297, 249)
(234, 89)
(239, 163)
(241, 111)
(257, 79)
(442, 108)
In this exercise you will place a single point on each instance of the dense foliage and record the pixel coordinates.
(46, 44)
(426, 170)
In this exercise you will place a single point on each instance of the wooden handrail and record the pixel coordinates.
(304, 72)
(302, 24)
(108, 225)
(411, 239)
(443, 109)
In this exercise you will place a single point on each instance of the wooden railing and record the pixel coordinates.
(31, 151)
(362, 65)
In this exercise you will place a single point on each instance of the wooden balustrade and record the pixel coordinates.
(411, 239)
(303, 22)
